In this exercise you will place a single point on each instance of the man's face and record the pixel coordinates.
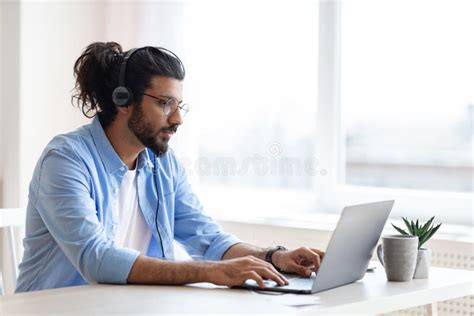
(148, 122)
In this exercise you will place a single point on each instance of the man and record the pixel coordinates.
(107, 200)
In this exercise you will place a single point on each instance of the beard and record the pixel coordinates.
(143, 130)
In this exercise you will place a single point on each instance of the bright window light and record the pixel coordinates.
(253, 77)
(407, 93)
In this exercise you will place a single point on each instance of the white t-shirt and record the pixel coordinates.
(132, 231)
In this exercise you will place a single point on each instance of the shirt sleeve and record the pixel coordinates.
(200, 235)
(68, 211)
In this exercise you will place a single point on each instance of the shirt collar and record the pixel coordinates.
(109, 156)
(143, 160)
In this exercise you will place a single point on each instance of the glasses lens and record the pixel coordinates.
(170, 107)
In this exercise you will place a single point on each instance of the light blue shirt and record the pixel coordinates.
(70, 222)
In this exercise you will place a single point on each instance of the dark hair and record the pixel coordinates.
(97, 75)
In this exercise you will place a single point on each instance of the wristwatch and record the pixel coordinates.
(269, 254)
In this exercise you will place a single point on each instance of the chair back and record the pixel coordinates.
(9, 218)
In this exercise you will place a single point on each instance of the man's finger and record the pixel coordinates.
(256, 277)
(270, 267)
(319, 252)
(270, 275)
(299, 269)
(281, 276)
(310, 256)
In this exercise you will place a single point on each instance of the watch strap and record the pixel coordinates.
(269, 254)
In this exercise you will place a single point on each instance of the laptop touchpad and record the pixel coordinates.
(294, 281)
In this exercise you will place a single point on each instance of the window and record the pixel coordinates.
(407, 97)
(369, 107)
(253, 73)
(300, 106)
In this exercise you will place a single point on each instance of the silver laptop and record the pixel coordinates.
(347, 255)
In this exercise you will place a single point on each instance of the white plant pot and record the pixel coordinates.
(423, 264)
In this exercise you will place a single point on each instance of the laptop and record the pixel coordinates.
(347, 255)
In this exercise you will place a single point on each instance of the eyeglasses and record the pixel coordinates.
(170, 105)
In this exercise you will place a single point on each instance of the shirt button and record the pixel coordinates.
(116, 190)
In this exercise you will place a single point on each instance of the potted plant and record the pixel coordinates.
(424, 233)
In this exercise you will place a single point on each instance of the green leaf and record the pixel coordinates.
(401, 231)
(413, 228)
(423, 236)
(430, 234)
(407, 224)
(417, 226)
(422, 240)
(433, 231)
(425, 227)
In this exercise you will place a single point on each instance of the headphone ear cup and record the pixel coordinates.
(122, 96)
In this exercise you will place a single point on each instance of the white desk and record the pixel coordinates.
(371, 295)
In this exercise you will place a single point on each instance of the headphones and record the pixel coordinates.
(122, 96)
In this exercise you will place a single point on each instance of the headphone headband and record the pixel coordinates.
(123, 96)
(123, 66)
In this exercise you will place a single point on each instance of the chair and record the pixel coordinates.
(9, 218)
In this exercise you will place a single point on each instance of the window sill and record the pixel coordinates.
(328, 222)
(290, 209)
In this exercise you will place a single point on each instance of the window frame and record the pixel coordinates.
(450, 207)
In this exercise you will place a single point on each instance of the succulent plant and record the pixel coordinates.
(423, 231)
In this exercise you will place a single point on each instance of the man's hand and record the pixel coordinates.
(302, 261)
(237, 271)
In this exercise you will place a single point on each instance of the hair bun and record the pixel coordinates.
(109, 53)
(116, 57)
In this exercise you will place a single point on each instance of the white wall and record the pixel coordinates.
(53, 34)
(9, 116)
(9, 102)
